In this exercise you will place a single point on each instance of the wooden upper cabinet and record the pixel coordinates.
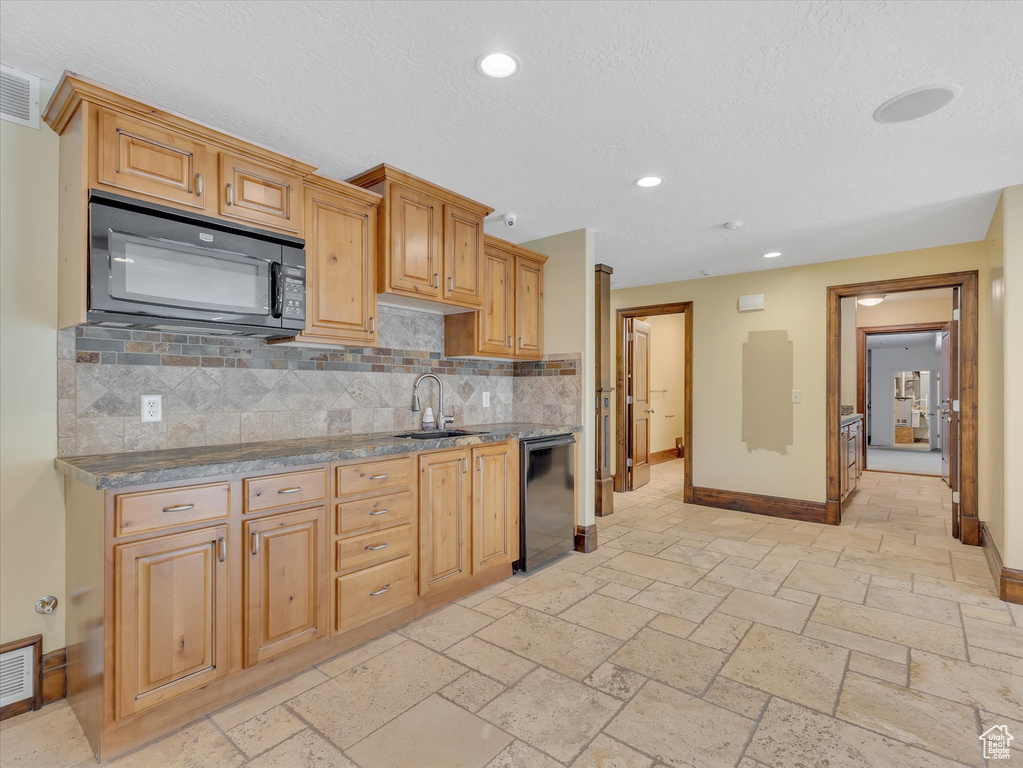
(528, 308)
(142, 158)
(259, 195)
(463, 257)
(496, 321)
(171, 617)
(445, 509)
(431, 239)
(495, 506)
(341, 263)
(285, 576)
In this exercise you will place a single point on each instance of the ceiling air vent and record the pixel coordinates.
(16, 668)
(19, 97)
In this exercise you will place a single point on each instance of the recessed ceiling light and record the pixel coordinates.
(772, 255)
(649, 181)
(733, 225)
(497, 64)
(916, 103)
(870, 301)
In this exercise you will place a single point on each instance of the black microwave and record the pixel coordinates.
(162, 269)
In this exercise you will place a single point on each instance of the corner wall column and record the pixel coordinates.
(604, 491)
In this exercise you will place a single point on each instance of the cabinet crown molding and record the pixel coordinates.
(389, 174)
(73, 89)
(489, 241)
(343, 188)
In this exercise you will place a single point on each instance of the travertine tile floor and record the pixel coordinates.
(691, 637)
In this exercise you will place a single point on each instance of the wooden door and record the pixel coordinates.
(528, 308)
(416, 242)
(340, 268)
(495, 509)
(171, 617)
(639, 407)
(496, 321)
(285, 569)
(445, 500)
(463, 257)
(259, 195)
(147, 159)
(946, 419)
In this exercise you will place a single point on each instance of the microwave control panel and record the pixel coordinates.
(294, 293)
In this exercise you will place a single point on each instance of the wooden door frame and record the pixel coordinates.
(684, 308)
(861, 362)
(964, 285)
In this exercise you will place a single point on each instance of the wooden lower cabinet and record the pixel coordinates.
(171, 613)
(285, 573)
(851, 437)
(495, 506)
(445, 502)
(372, 592)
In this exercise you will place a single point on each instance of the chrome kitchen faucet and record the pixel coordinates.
(442, 420)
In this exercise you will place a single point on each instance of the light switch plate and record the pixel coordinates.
(486, 399)
(152, 408)
(797, 396)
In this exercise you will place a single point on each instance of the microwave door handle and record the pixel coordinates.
(276, 289)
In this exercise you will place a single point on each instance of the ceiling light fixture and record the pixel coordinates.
(917, 103)
(731, 226)
(497, 64)
(649, 181)
(870, 301)
(772, 255)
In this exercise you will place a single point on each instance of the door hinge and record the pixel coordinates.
(628, 462)
(955, 314)
(955, 406)
(628, 400)
(955, 497)
(629, 338)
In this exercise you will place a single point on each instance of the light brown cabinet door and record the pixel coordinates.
(340, 267)
(528, 308)
(146, 159)
(463, 257)
(259, 195)
(417, 243)
(285, 571)
(445, 500)
(171, 617)
(497, 318)
(495, 509)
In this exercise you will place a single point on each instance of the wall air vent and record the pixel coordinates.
(16, 672)
(19, 97)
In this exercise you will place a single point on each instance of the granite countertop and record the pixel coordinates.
(850, 419)
(118, 470)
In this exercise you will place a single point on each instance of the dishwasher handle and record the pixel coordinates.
(540, 444)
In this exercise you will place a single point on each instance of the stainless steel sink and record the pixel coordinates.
(436, 434)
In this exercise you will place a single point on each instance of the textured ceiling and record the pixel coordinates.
(759, 111)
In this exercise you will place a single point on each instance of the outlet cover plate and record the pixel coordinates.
(486, 399)
(152, 408)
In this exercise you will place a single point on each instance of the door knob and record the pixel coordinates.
(649, 410)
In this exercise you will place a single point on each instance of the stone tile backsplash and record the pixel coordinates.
(225, 390)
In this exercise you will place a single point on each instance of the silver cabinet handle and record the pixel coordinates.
(380, 591)
(378, 512)
(296, 489)
(378, 477)
(520, 342)
(198, 185)
(377, 547)
(230, 195)
(436, 280)
(255, 542)
(372, 325)
(179, 508)
(465, 465)
(508, 343)
(222, 549)
(451, 284)
(479, 463)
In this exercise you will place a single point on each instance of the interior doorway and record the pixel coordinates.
(654, 392)
(960, 390)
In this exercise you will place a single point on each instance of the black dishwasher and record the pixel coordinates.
(546, 499)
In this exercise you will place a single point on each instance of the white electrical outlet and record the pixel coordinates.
(152, 408)
(486, 399)
(797, 396)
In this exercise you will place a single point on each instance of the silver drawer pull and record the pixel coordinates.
(198, 185)
(222, 549)
(179, 508)
(230, 195)
(380, 591)
(378, 477)
(290, 490)
(255, 543)
(378, 512)
(378, 546)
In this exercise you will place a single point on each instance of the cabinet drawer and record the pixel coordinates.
(170, 507)
(374, 475)
(260, 195)
(378, 510)
(360, 551)
(283, 490)
(372, 592)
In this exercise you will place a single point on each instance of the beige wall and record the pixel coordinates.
(990, 387)
(848, 364)
(667, 358)
(795, 302)
(568, 311)
(904, 312)
(31, 500)
(1012, 344)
